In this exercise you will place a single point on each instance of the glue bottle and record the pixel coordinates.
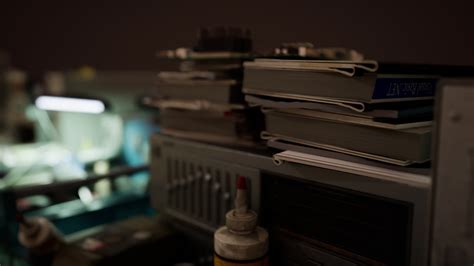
(241, 241)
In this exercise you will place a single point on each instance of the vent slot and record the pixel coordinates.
(200, 190)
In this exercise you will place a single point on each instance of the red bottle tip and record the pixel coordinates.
(241, 183)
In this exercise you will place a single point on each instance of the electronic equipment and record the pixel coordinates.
(313, 214)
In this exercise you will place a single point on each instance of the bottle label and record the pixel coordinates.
(218, 261)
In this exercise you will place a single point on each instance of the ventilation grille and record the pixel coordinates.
(200, 190)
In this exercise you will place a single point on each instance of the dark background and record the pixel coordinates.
(50, 35)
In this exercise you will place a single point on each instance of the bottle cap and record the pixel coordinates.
(241, 220)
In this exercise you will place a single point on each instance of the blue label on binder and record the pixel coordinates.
(393, 88)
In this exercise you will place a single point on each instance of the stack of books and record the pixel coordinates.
(380, 112)
(202, 99)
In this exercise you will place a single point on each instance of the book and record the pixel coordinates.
(404, 111)
(337, 81)
(396, 146)
(194, 105)
(191, 75)
(230, 67)
(415, 179)
(215, 91)
(422, 169)
(235, 124)
(209, 138)
(349, 119)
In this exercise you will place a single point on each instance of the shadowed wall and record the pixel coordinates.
(125, 34)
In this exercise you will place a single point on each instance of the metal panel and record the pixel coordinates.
(197, 189)
(453, 193)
